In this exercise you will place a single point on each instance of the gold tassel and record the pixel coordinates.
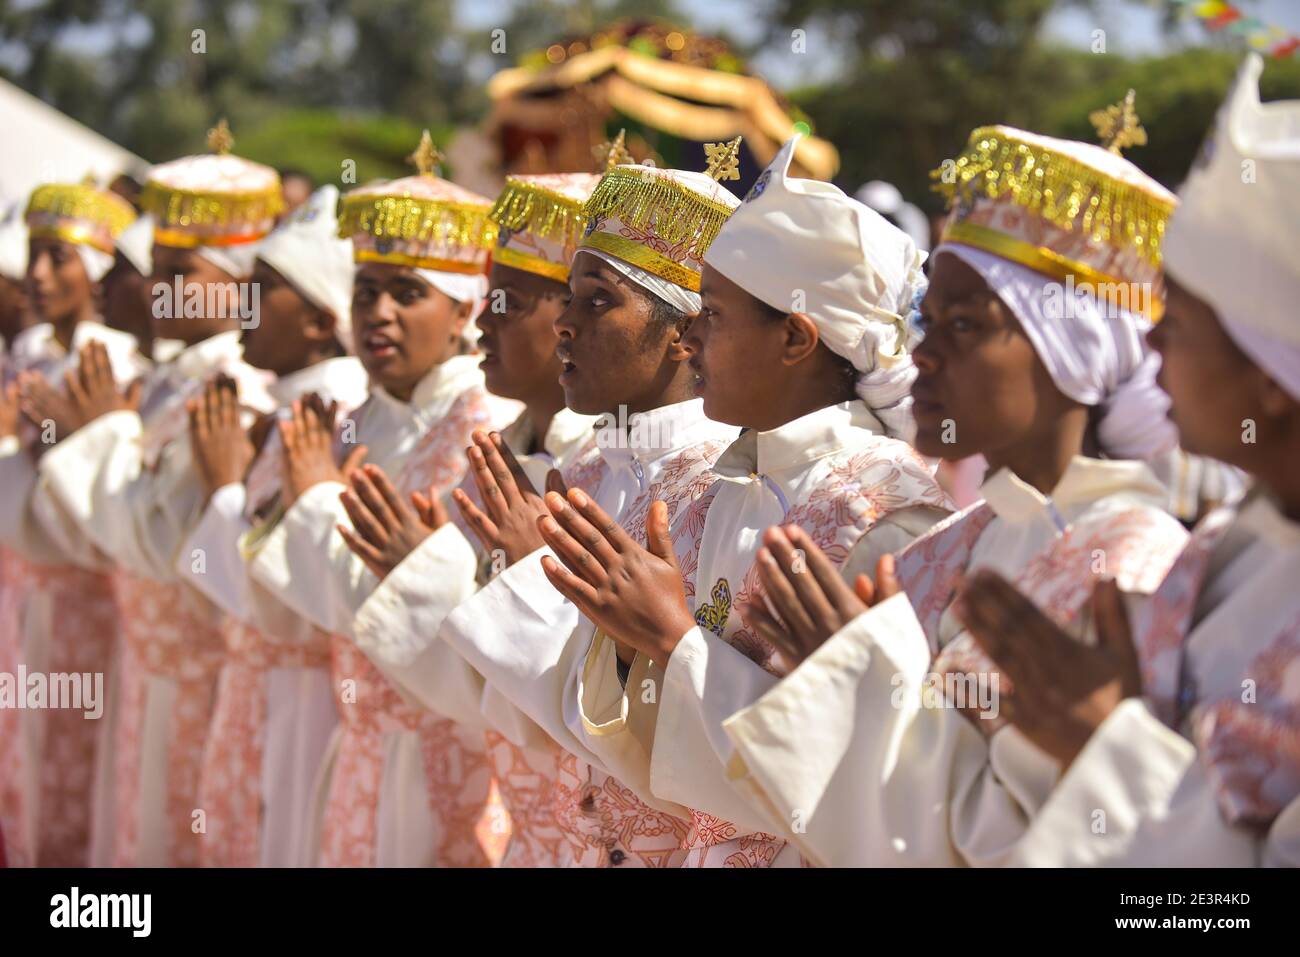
(173, 207)
(408, 218)
(542, 212)
(643, 200)
(66, 201)
(1062, 190)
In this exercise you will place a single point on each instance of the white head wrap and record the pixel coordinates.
(679, 297)
(13, 245)
(1232, 240)
(236, 261)
(1095, 352)
(306, 250)
(136, 244)
(96, 262)
(801, 245)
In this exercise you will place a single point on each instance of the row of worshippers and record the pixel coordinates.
(659, 572)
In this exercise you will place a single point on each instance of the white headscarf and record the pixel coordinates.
(96, 262)
(801, 245)
(235, 261)
(1232, 240)
(678, 297)
(306, 250)
(1095, 352)
(13, 245)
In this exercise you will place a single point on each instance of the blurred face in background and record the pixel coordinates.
(58, 288)
(292, 332)
(201, 281)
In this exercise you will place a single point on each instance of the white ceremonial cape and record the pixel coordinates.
(274, 712)
(528, 642)
(58, 615)
(397, 628)
(1204, 769)
(859, 759)
(859, 495)
(399, 785)
(128, 481)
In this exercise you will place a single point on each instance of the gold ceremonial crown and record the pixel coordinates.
(78, 214)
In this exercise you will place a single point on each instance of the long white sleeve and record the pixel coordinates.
(1137, 795)
(139, 516)
(852, 765)
(210, 559)
(518, 633)
(398, 627)
(307, 565)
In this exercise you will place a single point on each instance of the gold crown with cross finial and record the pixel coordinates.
(212, 199)
(1064, 208)
(663, 220)
(422, 221)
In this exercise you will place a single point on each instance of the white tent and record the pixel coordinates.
(42, 145)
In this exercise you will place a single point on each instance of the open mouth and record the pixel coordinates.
(379, 345)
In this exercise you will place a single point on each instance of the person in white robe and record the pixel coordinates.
(886, 746)
(634, 284)
(1180, 733)
(127, 479)
(58, 615)
(399, 785)
(274, 712)
(802, 341)
(539, 222)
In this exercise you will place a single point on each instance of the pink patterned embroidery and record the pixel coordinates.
(230, 782)
(457, 776)
(82, 630)
(528, 794)
(857, 490)
(169, 632)
(1252, 749)
(1138, 546)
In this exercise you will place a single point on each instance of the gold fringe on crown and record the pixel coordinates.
(1059, 188)
(222, 212)
(639, 198)
(541, 211)
(419, 220)
(63, 201)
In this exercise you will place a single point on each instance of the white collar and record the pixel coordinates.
(637, 440)
(341, 375)
(566, 428)
(1086, 480)
(198, 360)
(792, 446)
(1260, 516)
(439, 386)
(37, 342)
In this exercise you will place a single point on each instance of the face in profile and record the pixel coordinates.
(980, 386)
(517, 333)
(613, 351)
(1194, 351)
(211, 300)
(290, 330)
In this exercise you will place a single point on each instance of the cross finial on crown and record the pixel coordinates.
(723, 159)
(219, 139)
(426, 157)
(612, 152)
(1118, 126)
